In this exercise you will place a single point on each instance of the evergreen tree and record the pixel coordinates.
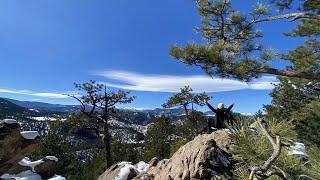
(296, 101)
(186, 98)
(232, 47)
(55, 145)
(95, 100)
(123, 151)
(158, 139)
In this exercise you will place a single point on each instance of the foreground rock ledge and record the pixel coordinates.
(13, 147)
(206, 157)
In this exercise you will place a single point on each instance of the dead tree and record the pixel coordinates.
(268, 169)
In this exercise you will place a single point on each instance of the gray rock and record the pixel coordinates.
(205, 157)
(47, 169)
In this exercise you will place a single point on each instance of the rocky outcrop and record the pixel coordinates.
(45, 168)
(124, 171)
(205, 157)
(14, 145)
(48, 168)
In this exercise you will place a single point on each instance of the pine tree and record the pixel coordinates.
(123, 151)
(95, 99)
(188, 100)
(232, 47)
(158, 139)
(297, 101)
(56, 145)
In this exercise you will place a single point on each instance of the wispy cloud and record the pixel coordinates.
(35, 94)
(171, 83)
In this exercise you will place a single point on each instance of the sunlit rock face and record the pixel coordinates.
(14, 144)
(205, 157)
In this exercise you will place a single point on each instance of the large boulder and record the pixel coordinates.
(14, 145)
(48, 167)
(206, 157)
(45, 168)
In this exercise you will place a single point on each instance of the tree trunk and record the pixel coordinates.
(186, 112)
(290, 73)
(106, 139)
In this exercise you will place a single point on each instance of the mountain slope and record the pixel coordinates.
(45, 106)
(10, 109)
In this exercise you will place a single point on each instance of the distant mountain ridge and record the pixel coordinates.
(28, 106)
(41, 106)
(10, 109)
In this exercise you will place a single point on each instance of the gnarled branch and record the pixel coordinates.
(268, 169)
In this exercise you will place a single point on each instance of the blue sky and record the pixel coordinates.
(46, 46)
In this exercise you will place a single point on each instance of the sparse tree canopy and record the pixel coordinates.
(97, 98)
(186, 97)
(232, 47)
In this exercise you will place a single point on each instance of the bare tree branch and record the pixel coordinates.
(83, 108)
(303, 176)
(268, 169)
(290, 16)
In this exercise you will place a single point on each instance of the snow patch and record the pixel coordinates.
(142, 166)
(28, 175)
(29, 134)
(52, 158)
(57, 177)
(298, 149)
(28, 163)
(10, 121)
(35, 110)
(44, 118)
(125, 171)
(127, 167)
(25, 175)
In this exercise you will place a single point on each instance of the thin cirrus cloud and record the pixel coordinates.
(173, 83)
(35, 94)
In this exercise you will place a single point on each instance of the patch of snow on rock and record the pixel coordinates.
(10, 121)
(28, 175)
(25, 175)
(57, 177)
(298, 149)
(52, 158)
(29, 134)
(142, 166)
(125, 171)
(26, 162)
(127, 167)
